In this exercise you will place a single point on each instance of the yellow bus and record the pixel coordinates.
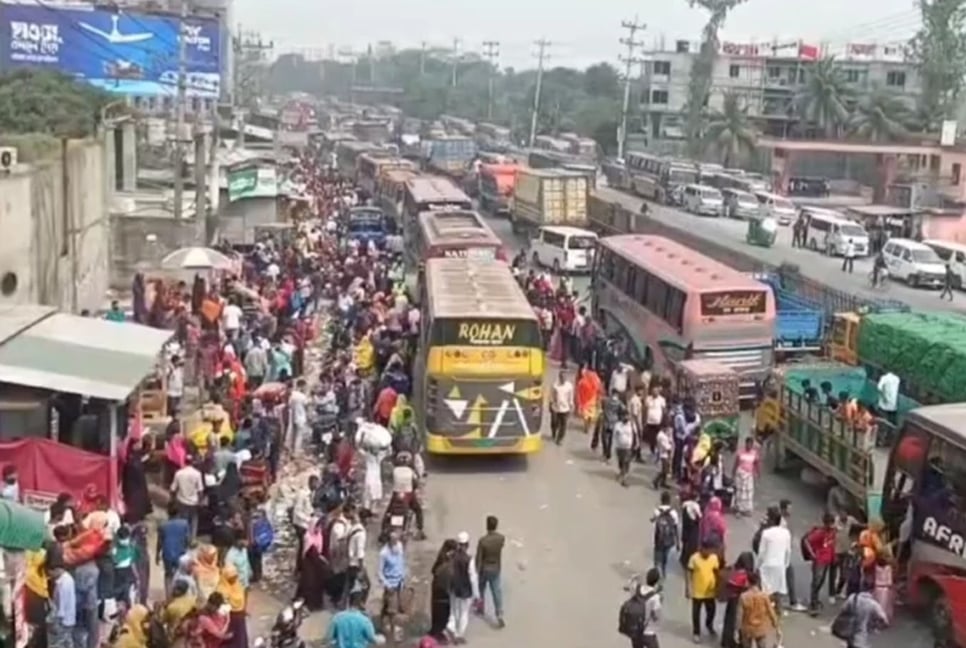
(480, 364)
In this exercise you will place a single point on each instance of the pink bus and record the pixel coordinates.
(670, 303)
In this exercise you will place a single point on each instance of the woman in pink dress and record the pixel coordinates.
(884, 591)
(747, 470)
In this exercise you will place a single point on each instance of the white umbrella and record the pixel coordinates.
(196, 258)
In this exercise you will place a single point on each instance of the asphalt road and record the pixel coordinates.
(814, 265)
(575, 537)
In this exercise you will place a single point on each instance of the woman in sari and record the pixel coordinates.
(134, 483)
(588, 397)
(134, 632)
(233, 591)
(735, 586)
(713, 527)
(314, 572)
(182, 604)
(442, 582)
(883, 584)
(207, 574)
(747, 470)
(175, 453)
(690, 526)
(213, 623)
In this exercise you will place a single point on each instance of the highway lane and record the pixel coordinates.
(575, 536)
(731, 233)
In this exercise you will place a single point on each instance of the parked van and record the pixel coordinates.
(564, 248)
(740, 204)
(703, 200)
(829, 232)
(955, 255)
(915, 263)
(778, 207)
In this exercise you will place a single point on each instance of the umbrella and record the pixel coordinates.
(196, 258)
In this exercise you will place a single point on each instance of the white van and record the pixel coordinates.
(955, 255)
(740, 204)
(702, 199)
(564, 249)
(829, 232)
(778, 207)
(915, 263)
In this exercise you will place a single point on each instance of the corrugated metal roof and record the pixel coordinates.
(81, 355)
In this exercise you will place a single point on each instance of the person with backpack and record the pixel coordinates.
(859, 615)
(640, 614)
(818, 548)
(667, 533)
(261, 542)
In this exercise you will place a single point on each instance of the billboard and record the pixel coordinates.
(124, 52)
(252, 182)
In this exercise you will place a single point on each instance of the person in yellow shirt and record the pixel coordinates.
(701, 586)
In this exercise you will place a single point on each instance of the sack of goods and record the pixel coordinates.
(373, 437)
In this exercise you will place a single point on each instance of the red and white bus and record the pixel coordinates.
(671, 303)
(454, 233)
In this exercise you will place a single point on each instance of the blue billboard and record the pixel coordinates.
(123, 52)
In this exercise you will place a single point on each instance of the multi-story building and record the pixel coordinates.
(767, 76)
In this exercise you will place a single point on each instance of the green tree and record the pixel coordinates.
(699, 85)
(602, 80)
(824, 99)
(36, 101)
(880, 117)
(729, 132)
(939, 48)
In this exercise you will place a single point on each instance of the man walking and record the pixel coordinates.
(561, 405)
(623, 445)
(759, 621)
(948, 281)
(464, 589)
(639, 615)
(489, 553)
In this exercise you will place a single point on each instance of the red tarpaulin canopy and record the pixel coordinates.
(46, 468)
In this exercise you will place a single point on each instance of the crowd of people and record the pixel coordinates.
(241, 351)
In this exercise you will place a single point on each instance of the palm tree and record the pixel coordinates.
(880, 117)
(730, 132)
(824, 99)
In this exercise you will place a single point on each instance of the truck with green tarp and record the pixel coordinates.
(807, 430)
(926, 350)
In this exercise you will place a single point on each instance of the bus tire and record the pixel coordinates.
(940, 615)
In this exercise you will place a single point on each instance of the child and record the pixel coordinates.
(124, 554)
(664, 445)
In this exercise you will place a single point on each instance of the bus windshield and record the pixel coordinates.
(682, 176)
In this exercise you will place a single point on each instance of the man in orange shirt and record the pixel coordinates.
(588, 397)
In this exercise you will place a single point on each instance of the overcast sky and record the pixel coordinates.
(583, 31)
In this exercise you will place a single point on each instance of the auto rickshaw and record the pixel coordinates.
(762, 231)
(714, 389)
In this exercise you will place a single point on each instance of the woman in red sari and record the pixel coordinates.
(213, 623)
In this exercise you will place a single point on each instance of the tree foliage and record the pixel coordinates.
(49, 103)
(824, 101)
(939, 48)
(729, 132)
(585, 101)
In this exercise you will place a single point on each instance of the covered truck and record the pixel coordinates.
(548, 197)
(450, 155)
(496, 182)
(800, 325)
(926, 350)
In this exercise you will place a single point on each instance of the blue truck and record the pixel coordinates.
(369, 224)
(800, 325)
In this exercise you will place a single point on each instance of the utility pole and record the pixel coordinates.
(629, 59)
(179, 114)
(249, 51)
(456, 61)
(491, 50)
(422, 59)
(542, 56)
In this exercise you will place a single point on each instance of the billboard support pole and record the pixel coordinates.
(180, 114)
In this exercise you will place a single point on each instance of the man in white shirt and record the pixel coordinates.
(188, 488)
(635, 411)
(175, 385)
(561, 405)
(848, 257)
(231, 317)
(623, 445)
(889, 396)
(654, 409)
(619, 380)
(298, 417)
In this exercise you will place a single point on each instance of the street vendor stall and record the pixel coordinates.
(22, 533)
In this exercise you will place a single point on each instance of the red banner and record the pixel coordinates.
(46, 468)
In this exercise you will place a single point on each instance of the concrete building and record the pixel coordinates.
(768, 76)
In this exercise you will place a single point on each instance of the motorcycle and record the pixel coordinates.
(285, 632)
